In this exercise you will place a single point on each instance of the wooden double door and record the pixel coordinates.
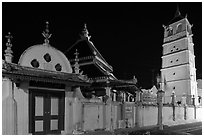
(46, 111)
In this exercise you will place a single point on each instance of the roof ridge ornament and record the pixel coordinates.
(76, 65)
(85, 34)
(76, 55)
(8, 52)
(46, 34)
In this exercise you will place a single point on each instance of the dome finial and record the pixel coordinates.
(8, 52)
(46, 34)
(85, 34)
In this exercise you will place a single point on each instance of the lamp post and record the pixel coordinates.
(159, 102)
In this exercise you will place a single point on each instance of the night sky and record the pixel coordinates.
(128, 35)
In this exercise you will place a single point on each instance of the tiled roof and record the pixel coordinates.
(92, 52)
(22, 72)
(175, 19)
(127, 85)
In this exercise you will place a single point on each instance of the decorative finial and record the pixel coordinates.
(134, 80)
(46, 34)
(85, 34)
(8, 51)
(76, 65)
(76, 55)
(177, 12)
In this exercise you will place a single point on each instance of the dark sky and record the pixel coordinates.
(128, 35)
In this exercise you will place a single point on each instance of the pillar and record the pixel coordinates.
(9, 108)
(68, 111)
(77, 109)
(128, 98)
(173, 101)
(160, 106)
(114, 96)
(124, 97)
(108, 109)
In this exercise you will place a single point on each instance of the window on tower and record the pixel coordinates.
(189, 29)
(179, 28)
(170, 32)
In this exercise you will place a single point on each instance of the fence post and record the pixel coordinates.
(194, 106)
(160, 106)
(185, 112)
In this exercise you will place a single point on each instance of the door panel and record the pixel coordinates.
(54, 124)
(39, 126)
(54, 105)
(39, 101)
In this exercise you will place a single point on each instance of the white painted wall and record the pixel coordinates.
(22, 98)
(179, 113)
(150, 115)
(167, 115)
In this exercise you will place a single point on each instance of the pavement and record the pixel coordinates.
(194, 128)
(183, 128)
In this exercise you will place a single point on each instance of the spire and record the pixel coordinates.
(177, 16)
(85, 34)
(178, 13)
(46, 34)
(8, 52)
(76, 65)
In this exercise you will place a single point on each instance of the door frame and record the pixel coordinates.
(45, 92)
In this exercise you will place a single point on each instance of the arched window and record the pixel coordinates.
(179, 28)
(170, 32)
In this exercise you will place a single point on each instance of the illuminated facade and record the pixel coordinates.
(178, 61)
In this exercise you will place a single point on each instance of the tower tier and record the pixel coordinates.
(176, 73)
(179, 45)
(179, 58)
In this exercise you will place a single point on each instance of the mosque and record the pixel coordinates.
(49, 92)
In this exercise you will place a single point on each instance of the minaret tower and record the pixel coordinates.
(178, 61)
